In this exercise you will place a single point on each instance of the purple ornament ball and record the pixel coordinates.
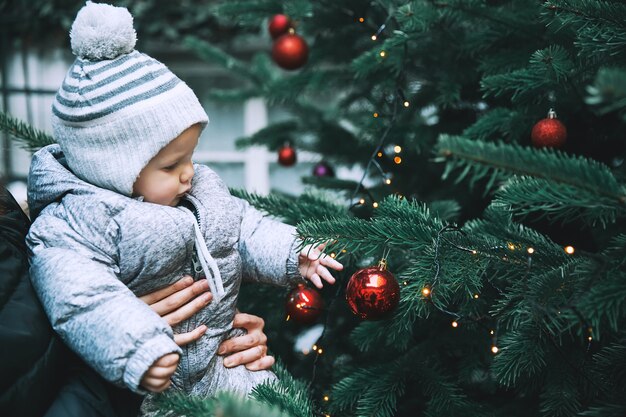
(322, 169)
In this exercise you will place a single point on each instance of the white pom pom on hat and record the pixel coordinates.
(102, 31)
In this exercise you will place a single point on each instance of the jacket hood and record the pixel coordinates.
(50, 179)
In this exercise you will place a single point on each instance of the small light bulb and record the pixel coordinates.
(362, 201)
(569, 250)
(319, 351)
(383, 53)
(288, 317)
(333, 254)
(379, 154)
(344, 250)
(374, 37)
(361, 19)
(511, 246)
(397, 160)
(474, 252)
(375, 114)
(405, 283)
(326, 398)
(375, 204)
(491, 332)
(494, 349)
(314, 347)
(387, 181)
(425, 291)
(406, 104)
(455, 324)
(590, 338)
(476, 295)
(397, 149)
(531, 250)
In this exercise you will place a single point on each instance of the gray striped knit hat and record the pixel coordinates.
(117, 107)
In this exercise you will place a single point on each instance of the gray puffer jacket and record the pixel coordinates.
(94, 251)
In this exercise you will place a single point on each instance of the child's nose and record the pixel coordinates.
(187, 173)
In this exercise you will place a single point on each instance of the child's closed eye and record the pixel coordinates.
(170, 167)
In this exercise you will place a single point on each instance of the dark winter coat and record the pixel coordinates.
(39, 374)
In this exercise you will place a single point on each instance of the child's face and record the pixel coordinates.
(168, 175)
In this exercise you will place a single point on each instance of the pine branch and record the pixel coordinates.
(521, 355)
(480, 159)
(293, 210)
(600, 12)
(558, 202)
(291, 396)
(608, 92)
(28, 137)
(211, 53)
(548, 67)
(224, 404)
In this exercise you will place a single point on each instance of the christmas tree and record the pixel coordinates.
(490, 134)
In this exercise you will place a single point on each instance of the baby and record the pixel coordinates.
(121, 210)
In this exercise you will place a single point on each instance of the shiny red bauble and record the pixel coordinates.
(287, 156)
(372, 293)
(304, 304)
(549, 132)
(290, 51)
(279, 25)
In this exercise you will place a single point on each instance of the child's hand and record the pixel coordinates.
(157, 377)
(313, 264)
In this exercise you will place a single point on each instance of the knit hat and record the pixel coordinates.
(117, 107)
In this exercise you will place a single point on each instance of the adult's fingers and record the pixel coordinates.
(246, 356)
(188, 309)
(180, 298)
(266, 362)
(186, 338)
(242, 343)
(153, 297)
(248, 321)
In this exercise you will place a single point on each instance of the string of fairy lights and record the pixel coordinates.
(427, 291)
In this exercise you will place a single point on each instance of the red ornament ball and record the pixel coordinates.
(304, 304)
(373, 292)
(279, 25)
(549, 132)
(287, 156)
(290, 52)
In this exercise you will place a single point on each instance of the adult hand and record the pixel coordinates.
(180, 301)
(250, 349)
(184, 298)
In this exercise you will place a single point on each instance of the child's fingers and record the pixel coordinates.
(331, 263)
(157, 372)
(171, 359)
(316, 280)
(156, 385)
(325, 274)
